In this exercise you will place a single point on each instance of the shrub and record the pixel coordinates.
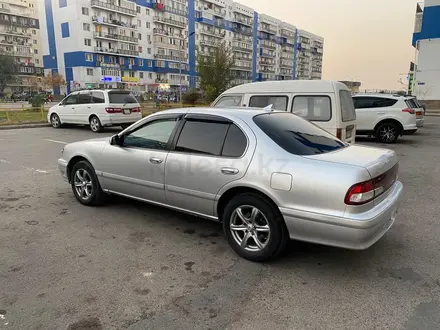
(191, 97)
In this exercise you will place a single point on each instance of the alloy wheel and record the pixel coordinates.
(83, 184)
(55, 121)
(387, 133)
(94, 124)
(250, 228)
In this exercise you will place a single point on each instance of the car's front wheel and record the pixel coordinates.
(254, 228)
(85, 184)
(387, 133)
(55, 120)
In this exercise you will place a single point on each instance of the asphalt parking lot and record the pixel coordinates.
(129, 265)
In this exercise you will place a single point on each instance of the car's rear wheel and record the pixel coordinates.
(55, 120)
(387, 133)
(85, 184)
(254, 228)
(95, 124)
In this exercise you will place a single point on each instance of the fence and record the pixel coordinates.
(28, 115)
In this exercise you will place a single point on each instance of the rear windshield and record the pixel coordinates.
(297, 135)
(120, 97)
(347, 106)
(411, 103)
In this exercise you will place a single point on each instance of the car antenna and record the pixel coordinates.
(268, 108)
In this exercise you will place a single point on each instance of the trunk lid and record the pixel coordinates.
(377, 161)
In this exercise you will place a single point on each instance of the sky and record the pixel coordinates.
(364, 40)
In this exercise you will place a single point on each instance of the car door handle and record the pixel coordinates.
(155, 160)
(229, 170)
(381, 113)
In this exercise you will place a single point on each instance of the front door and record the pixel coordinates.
(83, 108)
(137, 167)
(209, 153)
(66, 109)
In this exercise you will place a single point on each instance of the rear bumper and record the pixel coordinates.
(420, 122)
(355, 231)
(111, 120)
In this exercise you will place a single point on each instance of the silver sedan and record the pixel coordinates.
(267, 176)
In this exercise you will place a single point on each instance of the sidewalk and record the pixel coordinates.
(18, 126)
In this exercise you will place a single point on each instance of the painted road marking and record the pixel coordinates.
(55, 141)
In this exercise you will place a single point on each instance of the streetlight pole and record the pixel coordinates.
(180, 67)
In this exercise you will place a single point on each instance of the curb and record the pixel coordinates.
(36, 125)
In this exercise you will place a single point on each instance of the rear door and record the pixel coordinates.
(82, 109)
(210, 152)
(127, 108)
(347, 125)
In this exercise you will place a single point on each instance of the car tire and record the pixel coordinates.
(254, 227)
(55, 120)
(95, 124)
(387, 133)
(85, 184)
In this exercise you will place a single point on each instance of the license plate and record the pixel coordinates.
(127, 111)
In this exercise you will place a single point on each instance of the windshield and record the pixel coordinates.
(297, 135)
(121, 97)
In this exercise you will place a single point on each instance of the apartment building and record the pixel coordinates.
(424, 73)
(146, 44)
(20, 38)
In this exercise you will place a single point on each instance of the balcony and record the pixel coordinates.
(167, 45)
(105, 21)
(268, 28)
(15, 42)
(266, 69)
(19, 53)
(213, 33)
(116, 51)
(213, 11)
(267, 61)
(168, 9)
(237, 47)
(286, 64)
(5, 10)
(108, 65)
(268, 44)
(287, 34)
(112, 36)
(263, 54)
(169, 21)
(112, 8)
(171, 57)
(243, 20)
(238, 56)
(244, 31)
(16, 33)
(209, 43)
(241, 67)
(242, 38)
(162, 32)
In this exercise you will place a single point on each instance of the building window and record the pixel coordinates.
(90, 72)
(139, 23)
(131, 74)
(141, 75)
(112, 59)
(35, 42)
(138, 9)
(131, 61)
(121, 61)
(141, 62)
(150, 76)
(148, 25)
(88, 42)
(34, 31)
(149, 50)
(147, 11)
(150, 63)
(89, 57)
(37, 61)
(35, 51)
(85, 11)
(100, 58)
(140, 36)
(86, 26)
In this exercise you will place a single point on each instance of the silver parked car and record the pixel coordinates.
(267, 176)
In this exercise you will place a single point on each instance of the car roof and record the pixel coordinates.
(386, 96)
(288, 86)
(241, 113)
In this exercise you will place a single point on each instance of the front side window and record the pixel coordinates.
(229, 101)
(72, 99)
(296, 135)
(84, 98)
(312, 107)
(347, 106)
(262, 101)
(202, 137)
(154, 135)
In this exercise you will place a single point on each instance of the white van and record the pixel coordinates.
(97, 108)
(328, 104)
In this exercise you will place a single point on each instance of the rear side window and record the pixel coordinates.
(235, 142)
(312, 107)
(373, 102)
(84, 98)
(98, 97)
(296, 135)
(120, 97)
(229, 101)
(347, 106)
(262, 101)
(202, 137)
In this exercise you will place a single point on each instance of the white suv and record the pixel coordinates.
(97, 108)
(385, 116)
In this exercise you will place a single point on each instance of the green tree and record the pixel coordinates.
(8, 71)
(215, 75)
(191, 97)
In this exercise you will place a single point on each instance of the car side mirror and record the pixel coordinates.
(117, 140)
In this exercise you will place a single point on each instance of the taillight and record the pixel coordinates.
(136, 110)
(364, 192)
(339, 133)
(410, 111)
(360, 193)
(113, 110)
(419, 113)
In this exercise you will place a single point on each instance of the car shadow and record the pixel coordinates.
(111, 129)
